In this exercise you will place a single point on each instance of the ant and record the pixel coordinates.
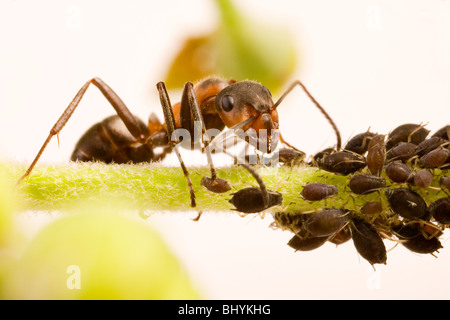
(212, 103)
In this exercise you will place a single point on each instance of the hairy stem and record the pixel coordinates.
(145, 187)
(154, 187)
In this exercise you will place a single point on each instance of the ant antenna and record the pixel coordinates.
(322, 110)
(221, 137)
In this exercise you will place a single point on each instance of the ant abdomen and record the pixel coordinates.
(110, 141)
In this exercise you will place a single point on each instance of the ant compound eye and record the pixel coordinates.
(227, 103)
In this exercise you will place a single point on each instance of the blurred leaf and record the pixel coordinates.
(107, 255)
(6, 208)
(196, 60)
(239, 48)
(6, 223)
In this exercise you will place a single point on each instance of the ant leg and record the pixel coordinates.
(117, 103)
(322, 110)
(189, 106)
(173, 139)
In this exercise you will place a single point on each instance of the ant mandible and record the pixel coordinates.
(213, 102)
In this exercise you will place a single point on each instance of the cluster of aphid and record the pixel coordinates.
(401, 167)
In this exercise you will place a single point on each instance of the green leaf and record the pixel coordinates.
(98, 254)
(240, 48)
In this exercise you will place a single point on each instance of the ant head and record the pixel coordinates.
(243, 100)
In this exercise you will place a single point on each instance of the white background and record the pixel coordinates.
(374, 64)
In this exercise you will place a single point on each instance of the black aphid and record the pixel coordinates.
(423, 178)
(299, 243)
(443, 133)
(216, 185)
(406, 203)
(250, 200)
(402, 151)
(326, 222)
(408, 132)
(366, 183)
(399, 172)
(376, 155)
(371, 208)
(290, 157)
(368, 242)
(435, 158)
(413, 239)
(359, 143)
(429, 144)
(342, 162)
(318, 191)
(440, 210)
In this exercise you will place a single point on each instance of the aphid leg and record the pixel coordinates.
(394, 246)
(415, 130)
(412, 161)
(241, 214)
(352, 198)
(366, 139)
(173, 139)
(322, 110)
(197, 218)
(122, 111)
(429, 230)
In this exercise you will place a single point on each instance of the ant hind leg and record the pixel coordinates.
(121, 109)
(173, 139)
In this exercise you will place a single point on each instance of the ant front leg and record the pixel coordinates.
(189, 109)
(189, 106)
(122, 111)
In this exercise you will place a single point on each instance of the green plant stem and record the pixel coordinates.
(154, 187)
(145, 187)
